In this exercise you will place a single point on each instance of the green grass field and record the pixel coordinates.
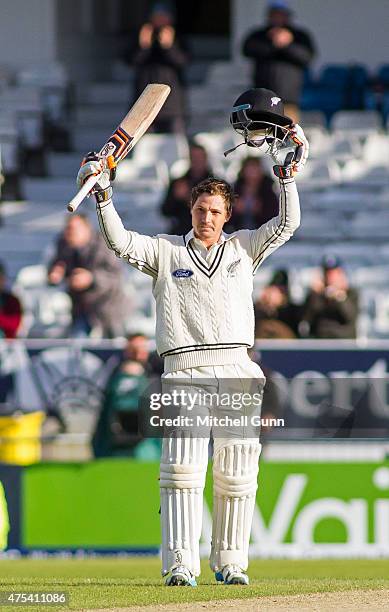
(117, 582)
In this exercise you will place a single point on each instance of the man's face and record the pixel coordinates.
(209, 214)
(77, 232)
(278, 18)
(335, 277)
(161, 19)
(137, 349)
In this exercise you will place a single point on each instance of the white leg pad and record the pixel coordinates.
(182, 478)
(235, 472)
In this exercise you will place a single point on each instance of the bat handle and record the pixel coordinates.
(85, 189)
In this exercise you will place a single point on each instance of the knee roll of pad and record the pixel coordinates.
(177, 476)
(235, 470)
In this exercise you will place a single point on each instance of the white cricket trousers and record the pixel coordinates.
(184, 460)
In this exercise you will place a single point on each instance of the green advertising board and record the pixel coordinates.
(334, 508)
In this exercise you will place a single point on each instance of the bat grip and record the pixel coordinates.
(85, 189)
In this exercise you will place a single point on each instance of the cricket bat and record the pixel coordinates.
(131, 129)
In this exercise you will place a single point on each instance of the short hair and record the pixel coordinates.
(196, 145)
(136, 334)
(214, 186)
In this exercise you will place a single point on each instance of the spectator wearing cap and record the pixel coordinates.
(331, 306)
(160, 56)
(281, 52)
(10, 309)
(276, 316)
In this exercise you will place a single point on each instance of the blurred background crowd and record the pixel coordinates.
(56, 277)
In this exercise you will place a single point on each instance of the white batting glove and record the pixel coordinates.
(291, 157)
(92, 165)
(302, 147)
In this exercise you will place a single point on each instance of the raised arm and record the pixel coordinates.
(267, 238)
(289, 157)
(140, 251)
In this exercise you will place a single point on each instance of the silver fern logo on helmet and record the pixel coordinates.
(275, 100)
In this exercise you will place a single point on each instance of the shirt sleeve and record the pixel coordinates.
(140, 251)
(260, 243)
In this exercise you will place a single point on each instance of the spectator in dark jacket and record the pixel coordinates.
(93, 278)
(176, 203)
(10, 309)
(331, 307)
(256, 200)
(276, 316)
(160, 56)
(281, 52)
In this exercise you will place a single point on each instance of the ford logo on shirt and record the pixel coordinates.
(181, 273)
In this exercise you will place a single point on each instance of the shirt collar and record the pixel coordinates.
(223, 237)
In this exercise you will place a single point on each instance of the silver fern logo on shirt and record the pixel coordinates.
(182, 273)
(232, 268)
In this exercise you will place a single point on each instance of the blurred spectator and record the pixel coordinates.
(176, 202)
(275, 314)
(93, 279)
(116, 431)
(10, 309)
(281, 53)
(331, 307)
(256, 202)
(160, 56)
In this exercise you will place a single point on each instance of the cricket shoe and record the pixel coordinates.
(232, 574)
(181, 576)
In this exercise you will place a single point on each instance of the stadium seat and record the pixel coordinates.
(344, 146)
(325, 230)
(381, 320)
(319, 141)
(31, 276)
(312, 119)
(356, 121)
(366, 226)
(26, 103)
(334, 76)
(375, 149)
(52, 81)
(132, 172)
(319, 174)
(383, 75)
(371, 277)
(9, 143)
(153, 147)
(353, 254)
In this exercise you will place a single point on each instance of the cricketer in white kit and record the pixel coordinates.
(203, 284)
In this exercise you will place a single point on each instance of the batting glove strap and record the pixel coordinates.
(284, 172)
(103, 195)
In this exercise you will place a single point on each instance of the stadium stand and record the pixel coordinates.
(344, 190)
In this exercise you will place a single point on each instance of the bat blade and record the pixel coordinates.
(131, 129)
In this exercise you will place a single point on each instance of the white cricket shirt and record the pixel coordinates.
(204, 306)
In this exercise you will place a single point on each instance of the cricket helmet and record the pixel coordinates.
(258, 115)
